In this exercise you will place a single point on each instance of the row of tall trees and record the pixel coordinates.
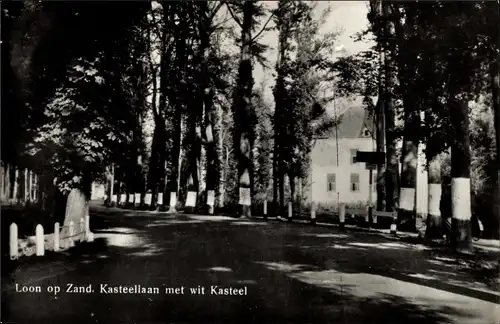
(435, 59)
(212, 126)
(66, 108)
(163, 101)
(157, 102)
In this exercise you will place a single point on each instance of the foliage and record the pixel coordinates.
(263, 146)
(300, 112)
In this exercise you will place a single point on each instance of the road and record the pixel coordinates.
(286, 273)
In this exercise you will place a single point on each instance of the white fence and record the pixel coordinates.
(55, 242)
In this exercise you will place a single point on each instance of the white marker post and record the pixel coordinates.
(137, 200)
(82, 229)
(290, 211)
(39, 240)
(56, 237)
(172, 202)
(87, 223)
(71, 231)
(13, 241)
(313, 213)
(265, 209)
(159, 201)
(394, 226)
(211, 201)
(342, 215)
(191, 199)
(147, 199)
(123, 200)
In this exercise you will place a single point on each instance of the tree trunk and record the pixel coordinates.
(460, 174)
(160, 185)
(206, 94)
(281, 210)
(291, 178)
(409, 163)
(380, 141)
(193, 156)
(434, 221)
(244, 115)
(160, 117)
(275, 174)
(153, 174)
(221, 158)
(495, 91)
(211, 177)
(176, 98)
(392, 171)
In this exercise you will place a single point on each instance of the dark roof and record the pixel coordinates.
(355, 122)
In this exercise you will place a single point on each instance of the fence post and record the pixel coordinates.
(87, 223)
(313, 213)
(394, 226)
(71, 231)
(39, 238)
(56, 237)
(82, 229)
(211, 201)
(290, 211)
(25, 194)
(342, 215)
(13, 242)
(137, 200)
(35, 187)
(16, 186)
(30, 195)
(89, 236)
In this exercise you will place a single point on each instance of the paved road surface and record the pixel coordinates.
(290, 273)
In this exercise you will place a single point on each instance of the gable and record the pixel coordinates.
(355, 122)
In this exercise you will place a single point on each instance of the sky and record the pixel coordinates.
(348, 16)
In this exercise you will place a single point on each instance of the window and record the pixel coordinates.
(353, 155)
(330, 182)
(354, 182)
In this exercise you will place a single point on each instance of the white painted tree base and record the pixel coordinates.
(407, 199)
(173, 199)
(245, 198)
(191, 199)
(461, 198)
(210, 198)
(434, 199)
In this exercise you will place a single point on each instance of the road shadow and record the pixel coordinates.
(291, 275)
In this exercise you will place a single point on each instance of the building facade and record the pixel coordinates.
(335, 176)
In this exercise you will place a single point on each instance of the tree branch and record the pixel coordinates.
(263, 28)
(233, 15)
(216, 9)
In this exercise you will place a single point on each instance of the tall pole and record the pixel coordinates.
(112, 184)
(336, 127)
